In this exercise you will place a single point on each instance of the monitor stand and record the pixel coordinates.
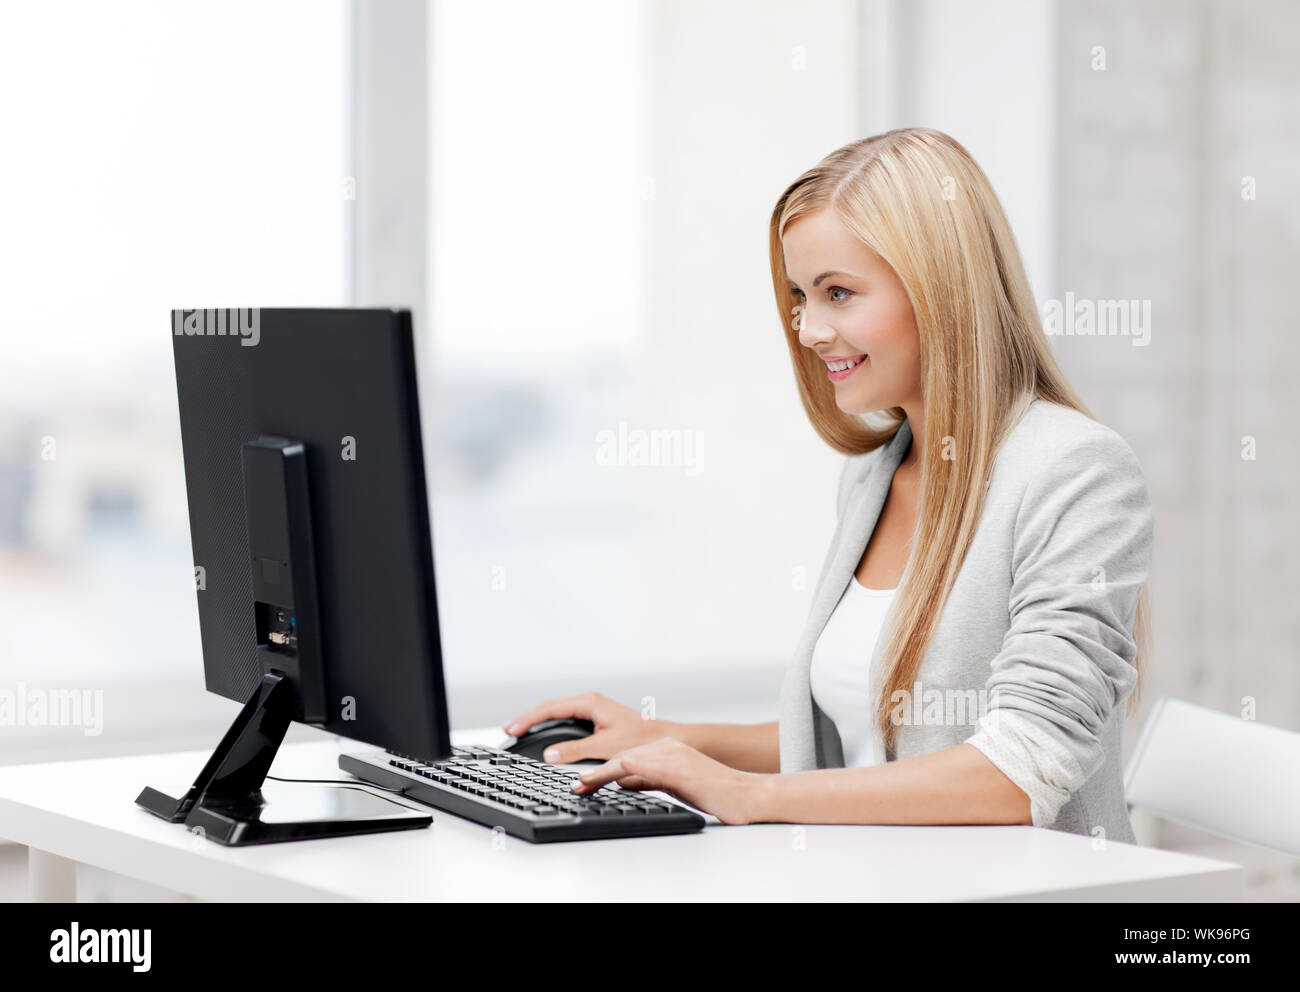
(231, 804)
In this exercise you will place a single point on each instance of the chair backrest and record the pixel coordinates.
(1232, 777)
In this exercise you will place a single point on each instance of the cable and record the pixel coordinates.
(356, 784)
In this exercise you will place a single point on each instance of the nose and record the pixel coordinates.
(812, 329)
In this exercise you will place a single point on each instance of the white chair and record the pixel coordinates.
(1232, 777)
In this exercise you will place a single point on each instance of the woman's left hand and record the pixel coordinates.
(668, 765)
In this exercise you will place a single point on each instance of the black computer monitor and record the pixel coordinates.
(309, 519)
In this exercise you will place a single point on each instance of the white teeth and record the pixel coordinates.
(842, 366)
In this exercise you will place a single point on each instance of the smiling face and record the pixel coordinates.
(855, 314)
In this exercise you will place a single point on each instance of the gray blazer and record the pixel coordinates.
(1041, 617)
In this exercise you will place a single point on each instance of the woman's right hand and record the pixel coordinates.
(618, 727)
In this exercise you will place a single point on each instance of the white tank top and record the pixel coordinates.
(840, 676)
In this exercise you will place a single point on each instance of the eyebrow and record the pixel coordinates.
(818, 281)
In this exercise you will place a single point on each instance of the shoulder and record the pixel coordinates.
(1052, 440)
(1073, 479)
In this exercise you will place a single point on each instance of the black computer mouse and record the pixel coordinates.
(537, 738)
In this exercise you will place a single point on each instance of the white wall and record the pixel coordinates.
(983, 71)
(747, 96)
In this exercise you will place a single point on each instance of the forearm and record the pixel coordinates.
(746, 747)
(956, 785)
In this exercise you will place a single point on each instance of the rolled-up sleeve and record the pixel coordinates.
(1081, 553)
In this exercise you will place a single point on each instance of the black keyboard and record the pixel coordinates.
(525, 797)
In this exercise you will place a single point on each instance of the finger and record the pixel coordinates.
(569, 752)
(637, 782)
(590, 781)
(552, 709)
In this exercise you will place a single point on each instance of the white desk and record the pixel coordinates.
(84, 811)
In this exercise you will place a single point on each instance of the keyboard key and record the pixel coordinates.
(495, 788)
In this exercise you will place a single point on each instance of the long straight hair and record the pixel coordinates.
(918, 200)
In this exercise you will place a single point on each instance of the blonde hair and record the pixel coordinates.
(917, 198)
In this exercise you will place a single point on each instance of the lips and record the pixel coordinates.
(839, 369)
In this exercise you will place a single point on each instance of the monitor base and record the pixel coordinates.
(231, 802)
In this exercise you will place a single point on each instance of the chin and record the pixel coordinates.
(856, 405)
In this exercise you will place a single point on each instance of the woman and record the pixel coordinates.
(977, 622)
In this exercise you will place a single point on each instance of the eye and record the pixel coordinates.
(838, 289)
(797, 293)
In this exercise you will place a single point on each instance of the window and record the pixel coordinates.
(158, 155)
(539, 200)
